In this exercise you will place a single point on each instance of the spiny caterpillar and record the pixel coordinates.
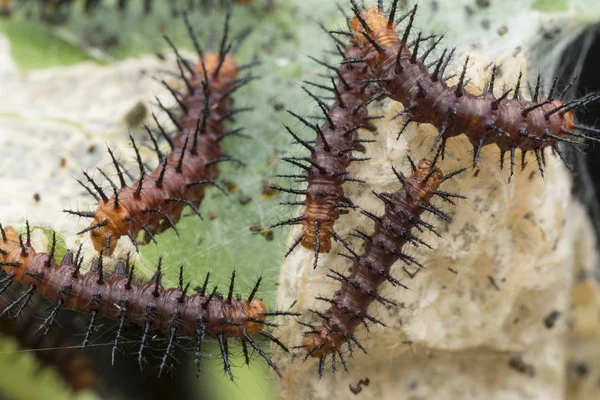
(155, 201)
(50, 348)
(510, 123)
(403, 210)
(331, 155)
(119, 297)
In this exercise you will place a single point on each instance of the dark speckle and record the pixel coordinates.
(552, 33)
(517, 51)
(268, 234)
(499, 70)
(245, 200)
(493, 282)
(260, 229)
(550, 320)
(579, 369)
(483, 3)
(359, 386)
(92, 149)
(268, 189)
(109, 41)
(517, 363)
(37, 197)
(469, 11)
(230, 186)
(276, 103)
(136, 115)
(485, 24)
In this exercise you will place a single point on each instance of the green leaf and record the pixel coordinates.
(34, 46)
(23, 378)
(550, 5)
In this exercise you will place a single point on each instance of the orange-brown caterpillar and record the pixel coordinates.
(349, 306)
(170, 311)
(155, 201)
(509, 123)
(331, 154)
(54, 350)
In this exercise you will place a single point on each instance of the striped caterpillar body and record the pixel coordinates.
(54, 350)
(510, 123)
(349, 306)
(170, 311)
(331, 155)
(154, 202)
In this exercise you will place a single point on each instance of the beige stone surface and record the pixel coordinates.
(471, 325)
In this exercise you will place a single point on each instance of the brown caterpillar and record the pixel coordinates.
(170, 311)
(55, 351)
(509, 123)
(155, 201)
(383, 248)
(5, 7)
(330, 154)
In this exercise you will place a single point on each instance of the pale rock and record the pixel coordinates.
(471, 325)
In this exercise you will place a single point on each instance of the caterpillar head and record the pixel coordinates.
(323, 341)
(227, 67)
(379, 30)
(256, 309)
(104, 234)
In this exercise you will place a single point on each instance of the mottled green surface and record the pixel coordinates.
(550, 5)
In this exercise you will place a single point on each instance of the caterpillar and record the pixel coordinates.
(5, 7)
(55, 351)
(326, 171)
(119, 297)
(155, 201)
(403, 210)
(509, 122)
